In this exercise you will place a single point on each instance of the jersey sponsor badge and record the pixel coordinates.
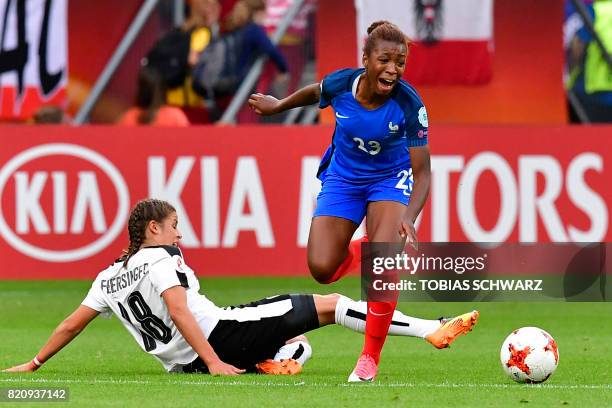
(423, 117)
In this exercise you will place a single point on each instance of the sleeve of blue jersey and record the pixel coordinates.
(583, 33)
(335, 84)
(416, 115)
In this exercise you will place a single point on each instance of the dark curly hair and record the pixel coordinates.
(386, 31)
(150, 209)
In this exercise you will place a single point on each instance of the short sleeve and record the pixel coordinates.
(417, 125)
(95, 300)
(167, 273)
(417, 128)
(323, 102)
(335, 84)
(583, 33)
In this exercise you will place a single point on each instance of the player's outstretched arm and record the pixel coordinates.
(421, 172)
(268, 105)
(176, 301)
(62, 335)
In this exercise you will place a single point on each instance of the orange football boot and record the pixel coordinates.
(451, 328)
(288, 366)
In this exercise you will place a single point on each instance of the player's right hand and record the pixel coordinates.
(407, 231)
(221, 368)
(264, 104)
(28, 367)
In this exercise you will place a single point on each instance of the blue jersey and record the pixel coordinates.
(370, 145)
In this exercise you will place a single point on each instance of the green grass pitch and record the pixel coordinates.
(105, 367)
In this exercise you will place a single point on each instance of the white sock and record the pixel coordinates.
(352, 315)
(299, 351)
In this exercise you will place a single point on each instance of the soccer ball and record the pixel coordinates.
(529, 355)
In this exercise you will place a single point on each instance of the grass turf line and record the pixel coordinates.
(105, 367)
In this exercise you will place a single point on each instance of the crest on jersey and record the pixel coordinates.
(393, 128)
(179, 262)
(423, 117)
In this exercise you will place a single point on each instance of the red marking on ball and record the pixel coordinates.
(552, 346)
(517, 358)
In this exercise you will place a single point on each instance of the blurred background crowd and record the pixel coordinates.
(183, 62)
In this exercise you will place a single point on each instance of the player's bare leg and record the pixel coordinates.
(329, 255)
(326, 307)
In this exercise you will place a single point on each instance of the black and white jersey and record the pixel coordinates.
(133, 293)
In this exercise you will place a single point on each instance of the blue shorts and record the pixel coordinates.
(341, 198)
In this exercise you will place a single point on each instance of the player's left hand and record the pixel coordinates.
(28, 367)
(264, 104)
(221, 368)
(408, 232)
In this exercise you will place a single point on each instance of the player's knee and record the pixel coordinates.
(321, 270)
(326, 307)
(334, 297)
(331, 298)
(322, 279)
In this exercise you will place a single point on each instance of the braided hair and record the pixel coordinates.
(386, 31)
(144, 211)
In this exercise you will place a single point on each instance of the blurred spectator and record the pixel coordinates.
(49, 115)
(246, 20)
(293, 44)
(226, 7)
(225, 63)
(590, 76)
(151, 106)
(177, 51)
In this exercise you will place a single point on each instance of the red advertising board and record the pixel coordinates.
(244, 195)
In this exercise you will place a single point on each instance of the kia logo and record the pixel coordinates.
(88, 201)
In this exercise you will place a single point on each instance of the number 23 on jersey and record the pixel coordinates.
(373, 146)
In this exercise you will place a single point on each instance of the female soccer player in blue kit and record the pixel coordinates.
(380, 141)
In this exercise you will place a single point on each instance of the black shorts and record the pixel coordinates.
(251, 333)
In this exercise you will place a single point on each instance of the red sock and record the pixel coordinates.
(351, 262)
(378, 321)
